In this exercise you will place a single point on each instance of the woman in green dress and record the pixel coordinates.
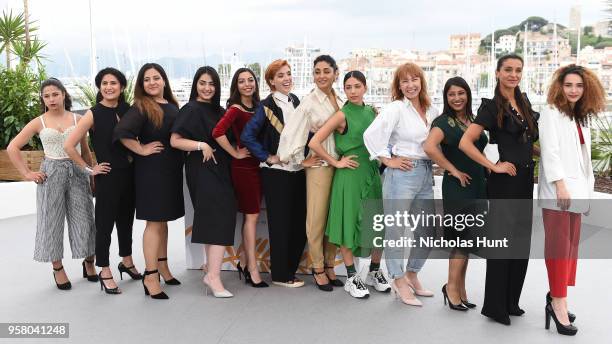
(463, 184)
(356, 179)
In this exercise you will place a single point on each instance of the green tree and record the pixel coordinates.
(16, 38)
(33, 51)
(19, 102)
(89, 93)
(12, 29)
(533, 23)
(602, 146)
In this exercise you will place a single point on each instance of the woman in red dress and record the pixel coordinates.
(244, 97)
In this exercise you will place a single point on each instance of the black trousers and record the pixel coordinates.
(285, 195)
(114, 206)
(505, 276)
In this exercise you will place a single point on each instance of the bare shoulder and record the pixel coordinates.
(36, 123)
(339, 115)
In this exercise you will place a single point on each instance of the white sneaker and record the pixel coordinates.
(377, 280)
(356, 287)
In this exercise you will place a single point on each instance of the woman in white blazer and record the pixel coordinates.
(566, 180)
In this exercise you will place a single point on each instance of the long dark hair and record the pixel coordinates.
(144, 102)
(459, 82)
(55, 82)
(235, 97)
(216, 99)
(503, 105)
(117, 74)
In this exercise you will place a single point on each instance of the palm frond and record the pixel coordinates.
(88, 94)
(601, 152)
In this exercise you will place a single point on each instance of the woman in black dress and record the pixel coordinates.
(158, 169)
(207, 169)
(463, 184)
(512, 124)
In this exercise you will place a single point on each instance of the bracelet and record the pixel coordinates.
(199, 146)
(89, 170)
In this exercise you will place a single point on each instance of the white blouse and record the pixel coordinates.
(314, 110)
(399, 130)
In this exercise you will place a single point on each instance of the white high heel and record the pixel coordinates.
(409, 301)
(419, 292)
(223, 294)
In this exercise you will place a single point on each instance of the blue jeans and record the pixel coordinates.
(400, 190)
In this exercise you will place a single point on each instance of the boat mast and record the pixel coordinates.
(492, 73)
(92, 47)
(526, 58)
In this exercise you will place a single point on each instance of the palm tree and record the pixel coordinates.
(602, 146)
(32, 52)
(89, 93)
(27, 46)
(12, 29)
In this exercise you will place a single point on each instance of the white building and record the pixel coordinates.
(465, 42)
(540, 45)
(575, 18)
(506, 44)
(603, 29)
(300, 58)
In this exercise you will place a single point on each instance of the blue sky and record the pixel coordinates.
(182, 28)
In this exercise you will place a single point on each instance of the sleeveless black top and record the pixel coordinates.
(105, 120)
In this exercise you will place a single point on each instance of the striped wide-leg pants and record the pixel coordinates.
(65, 195)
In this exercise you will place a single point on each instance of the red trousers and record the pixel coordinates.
(562, 230)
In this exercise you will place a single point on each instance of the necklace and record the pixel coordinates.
(59, 125)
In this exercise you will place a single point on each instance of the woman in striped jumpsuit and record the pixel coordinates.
(63, 190)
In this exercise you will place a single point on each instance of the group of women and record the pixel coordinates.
(315, 161)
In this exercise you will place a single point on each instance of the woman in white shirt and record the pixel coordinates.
(314, 110)
(566, 180)
(396, 139)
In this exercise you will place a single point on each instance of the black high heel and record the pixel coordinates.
(160, 295)
(323, 287)
(248, 279)
(241, 272)
(334, 282)
(63, 286)
(570, 315)
(566, 330)
(456, 307)
(103, 286)
(172, 281)
(90, 278)
(122, 268)
(468, 304)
